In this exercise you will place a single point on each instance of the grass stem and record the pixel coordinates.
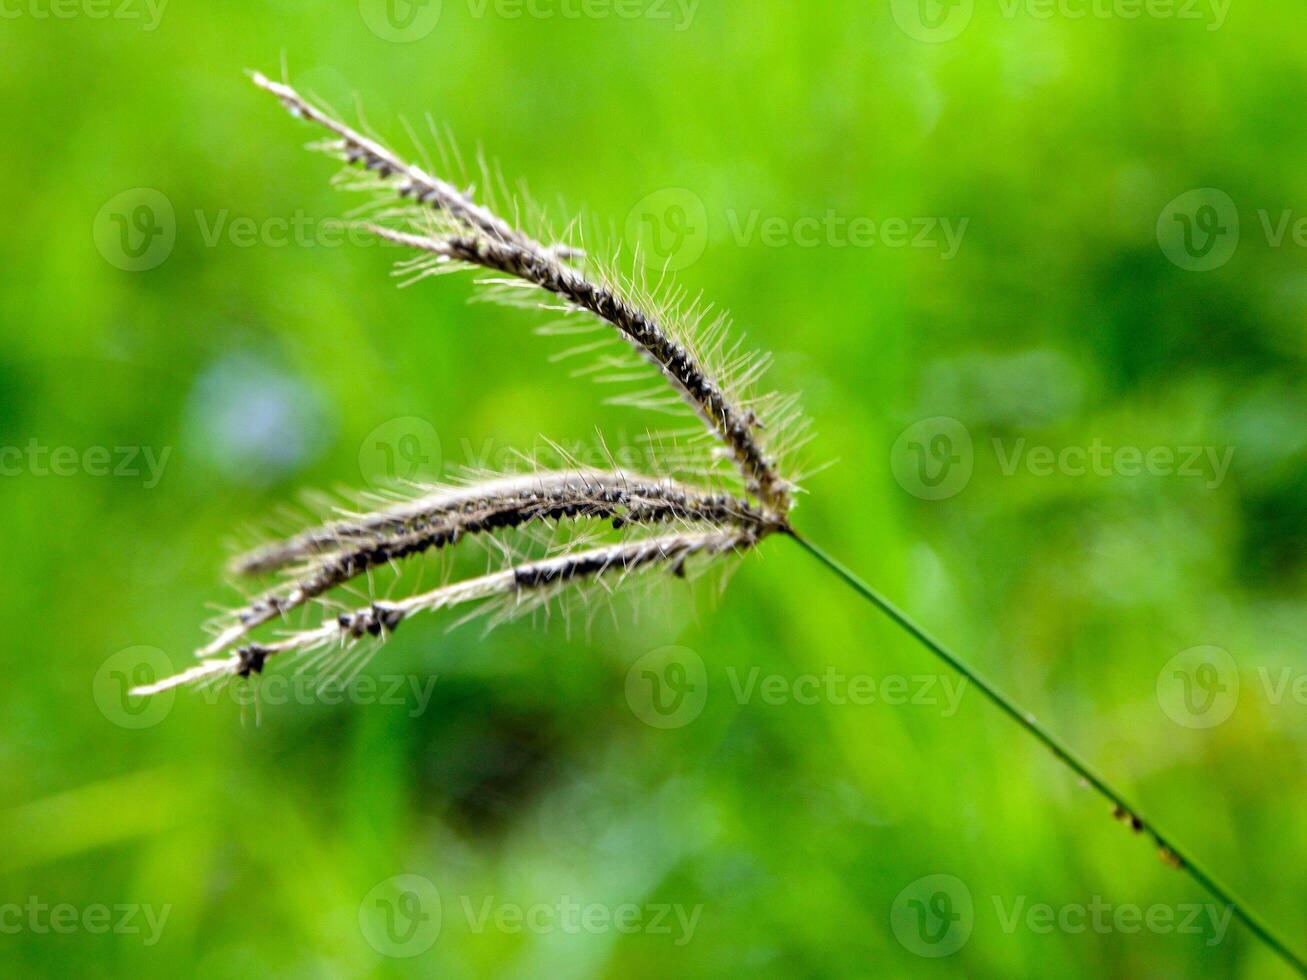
(1171, 852)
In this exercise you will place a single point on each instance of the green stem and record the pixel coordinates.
(1166, 845)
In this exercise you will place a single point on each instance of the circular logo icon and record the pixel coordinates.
(136, 230)
(933, 916)
(400, 21)
(1199, 230)
(1199, 687)
(667, 687)
(668, 229)
(399, 451)
(128, 669)
(933, 459)
(401, 916)
(932, 21)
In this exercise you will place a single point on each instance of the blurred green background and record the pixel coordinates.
(1124, 184)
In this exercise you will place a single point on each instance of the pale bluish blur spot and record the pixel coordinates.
(254, 422)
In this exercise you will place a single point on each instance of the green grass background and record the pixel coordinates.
(528, 777)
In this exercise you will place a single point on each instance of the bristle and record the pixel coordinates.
(506, 501)
(411, 181)
(736, 427)
(340, 552)
(528, 581)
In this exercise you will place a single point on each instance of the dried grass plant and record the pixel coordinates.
(723, 489)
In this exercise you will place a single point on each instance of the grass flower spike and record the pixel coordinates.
(653, 520)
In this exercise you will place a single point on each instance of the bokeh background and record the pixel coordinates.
(1126, 271)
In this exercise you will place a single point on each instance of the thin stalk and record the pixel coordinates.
(1170, 851)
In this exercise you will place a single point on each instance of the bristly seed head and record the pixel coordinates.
(459, 232)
